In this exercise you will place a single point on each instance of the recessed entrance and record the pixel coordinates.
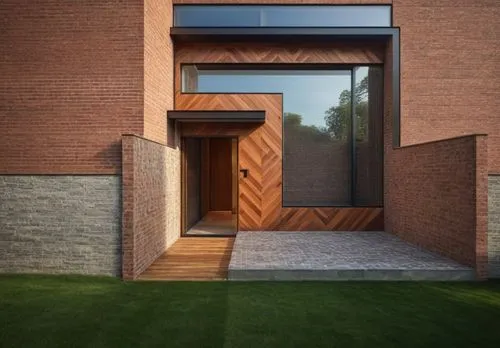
(209, 186)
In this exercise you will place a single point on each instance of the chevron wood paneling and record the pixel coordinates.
(342, 52)
(260, 192)
(247, 53)
(331, 219)
(260, 146)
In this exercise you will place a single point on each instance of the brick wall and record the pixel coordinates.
(436, 197)
(60, 224)
(494, 226)
(151, 191)
(158, 69)
(71, 82)
(449, 70)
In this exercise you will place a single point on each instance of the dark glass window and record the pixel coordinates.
(318, 165)
(369, 144)
(281, 16)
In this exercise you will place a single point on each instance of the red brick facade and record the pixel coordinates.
(158, 68)
(78, 75)
(71, 83)
(449, 70)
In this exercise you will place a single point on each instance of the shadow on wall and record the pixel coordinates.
(109, 155)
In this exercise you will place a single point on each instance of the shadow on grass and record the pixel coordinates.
(103, 312)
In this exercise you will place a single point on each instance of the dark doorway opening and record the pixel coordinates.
(209, 186)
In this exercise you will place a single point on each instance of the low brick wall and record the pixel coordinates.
(151, 202)
(436, 197)
(60, 224)
(494, 226)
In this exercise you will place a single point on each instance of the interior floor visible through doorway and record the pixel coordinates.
(215, 223)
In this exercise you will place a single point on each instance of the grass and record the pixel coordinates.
(76, 311)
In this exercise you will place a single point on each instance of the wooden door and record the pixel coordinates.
(221, 174)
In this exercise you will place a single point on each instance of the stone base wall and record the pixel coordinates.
(494, 226)
(60, 224)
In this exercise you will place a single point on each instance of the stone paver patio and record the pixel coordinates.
(337, 256)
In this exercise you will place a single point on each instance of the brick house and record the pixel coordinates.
(124, 123)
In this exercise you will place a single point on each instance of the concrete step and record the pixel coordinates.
(350, 275)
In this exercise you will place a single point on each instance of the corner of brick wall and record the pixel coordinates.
(128, 207)
(481, 206)
(436, 198)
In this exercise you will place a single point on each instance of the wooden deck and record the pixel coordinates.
(193, 258)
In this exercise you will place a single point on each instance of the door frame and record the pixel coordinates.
(183, 173)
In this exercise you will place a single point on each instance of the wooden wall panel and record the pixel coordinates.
(260, 146)
(260, 151)
(331, 219)
(253, 150)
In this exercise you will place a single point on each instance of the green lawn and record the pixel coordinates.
(62, 311)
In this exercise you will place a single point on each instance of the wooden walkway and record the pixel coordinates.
(193, 258)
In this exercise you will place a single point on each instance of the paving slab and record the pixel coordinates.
(268, 255)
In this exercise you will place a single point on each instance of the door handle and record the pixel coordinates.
(245, 172)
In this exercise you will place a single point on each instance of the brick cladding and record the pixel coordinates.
(435, 194)
(158, 68)
(151, 210)
(151, 170)
(436, 197)
(449, 70)
(81, 99)
(71, 82)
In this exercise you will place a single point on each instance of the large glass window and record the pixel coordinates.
(281, 16)
(321, 134)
